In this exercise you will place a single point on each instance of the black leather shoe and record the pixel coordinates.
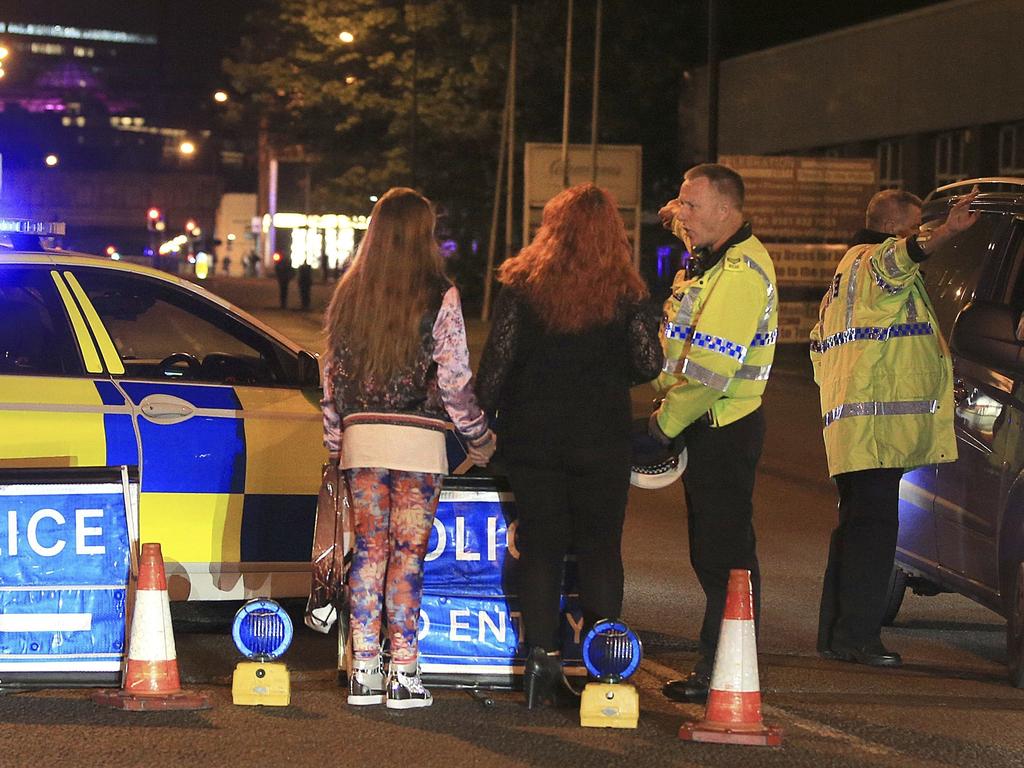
(692, 689)
(872, 655)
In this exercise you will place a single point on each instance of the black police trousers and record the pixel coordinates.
(860, 558)
(719, 488)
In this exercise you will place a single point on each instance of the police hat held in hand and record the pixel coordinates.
(655, 465)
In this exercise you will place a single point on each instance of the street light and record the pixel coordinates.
(51, 160)
(4, 52)
(220, 96)
(346, 36)
(187, 148)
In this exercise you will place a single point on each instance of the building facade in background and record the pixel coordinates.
(935, 95)
(85, 137)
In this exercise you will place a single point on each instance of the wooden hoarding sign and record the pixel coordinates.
(618, 171)
(804, 265)
(809, 199)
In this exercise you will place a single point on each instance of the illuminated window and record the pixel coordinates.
(47, 49)
(80, 121)
(890, 164)
(65, 121)
(1011, 150)
(83, 53)
(950, 157)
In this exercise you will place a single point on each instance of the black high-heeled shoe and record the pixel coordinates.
(544, 681)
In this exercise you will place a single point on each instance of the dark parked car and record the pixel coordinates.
(962, 524)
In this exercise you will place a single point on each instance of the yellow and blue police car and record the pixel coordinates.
(106, 363)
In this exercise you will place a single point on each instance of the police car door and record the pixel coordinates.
(231, 444)
(56, 407)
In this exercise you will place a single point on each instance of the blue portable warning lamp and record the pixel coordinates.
(262, 632)
(611, 652)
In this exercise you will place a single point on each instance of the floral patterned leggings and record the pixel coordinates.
(393, 513)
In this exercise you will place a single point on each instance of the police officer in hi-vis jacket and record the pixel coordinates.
(719, 332)
(885, 377)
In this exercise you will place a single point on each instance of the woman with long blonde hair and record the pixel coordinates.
(571, 334)
(397, 369)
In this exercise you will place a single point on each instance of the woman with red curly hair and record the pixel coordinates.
(571, 333)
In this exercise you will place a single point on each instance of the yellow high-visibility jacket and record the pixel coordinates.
(719, 332)
(882, 365)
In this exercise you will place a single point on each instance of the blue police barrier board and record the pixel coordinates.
(66, 538)
(470, 626)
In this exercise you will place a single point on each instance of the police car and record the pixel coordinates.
(104, 363)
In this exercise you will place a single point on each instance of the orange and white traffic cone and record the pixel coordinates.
(733, 714)
(151, 679)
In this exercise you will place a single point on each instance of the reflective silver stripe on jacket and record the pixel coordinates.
(684, 315)
(889, 260)
(911, 309)
(769, 291)
(851, 291)
(876, 408)
(699, 373)
(749, 372)
(873, 333)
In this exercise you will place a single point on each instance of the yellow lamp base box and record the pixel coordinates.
(609, 705)
(265, 684)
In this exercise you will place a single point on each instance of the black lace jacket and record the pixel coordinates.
(557, 389)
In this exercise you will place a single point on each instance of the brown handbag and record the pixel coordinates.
(331, 556)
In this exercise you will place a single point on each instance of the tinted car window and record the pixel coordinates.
(35, 337)
(161, 331)
(952, 272)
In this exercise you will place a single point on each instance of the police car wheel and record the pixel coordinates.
(1015, 629)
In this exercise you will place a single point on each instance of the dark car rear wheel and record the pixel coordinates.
(897, 588)
(1015, 629)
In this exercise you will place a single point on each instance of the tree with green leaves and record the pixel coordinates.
(415, 98)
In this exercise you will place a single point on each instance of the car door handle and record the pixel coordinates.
(165, 409)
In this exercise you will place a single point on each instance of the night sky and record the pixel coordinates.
(196, 34)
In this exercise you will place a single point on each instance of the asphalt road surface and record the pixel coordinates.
(949, 705)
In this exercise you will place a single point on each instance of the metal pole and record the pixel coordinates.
(492, 244)
(565, 98)
(597, 91)
(415, 95)
(712, 151)
(511, 178)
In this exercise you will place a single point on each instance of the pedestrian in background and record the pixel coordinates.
(396, 369)
(283, 270)
(885, 380)
(305, 284)
(571, 334)
(719, 338)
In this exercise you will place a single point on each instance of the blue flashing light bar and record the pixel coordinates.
(33, 227)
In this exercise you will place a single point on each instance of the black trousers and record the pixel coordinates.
(579, 506)
(860, 558)
(719, 488)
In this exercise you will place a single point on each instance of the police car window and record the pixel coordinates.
(165, 333)
(35, 338)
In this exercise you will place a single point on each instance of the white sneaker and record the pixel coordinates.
(406, 691)
(366, 686)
